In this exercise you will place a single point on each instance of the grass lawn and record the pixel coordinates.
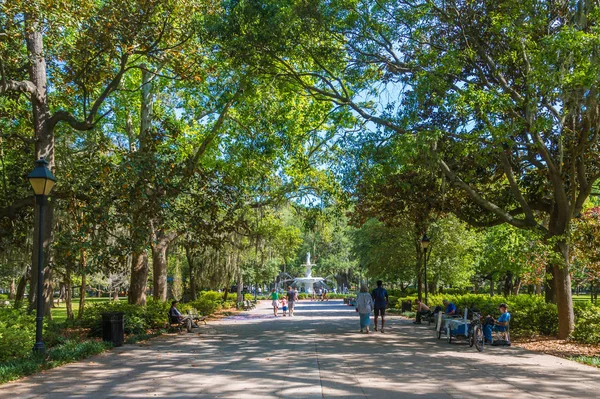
(585, 297)
(59, 313)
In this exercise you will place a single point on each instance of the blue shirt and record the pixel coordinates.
(451, 307)
(380, 296)
(504, 318)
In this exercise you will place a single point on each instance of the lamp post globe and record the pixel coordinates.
(425, 244)
(42, 181)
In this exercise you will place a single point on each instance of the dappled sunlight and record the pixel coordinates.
(319, 354)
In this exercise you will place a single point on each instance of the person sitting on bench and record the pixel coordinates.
(500, 325)
(176, 316)
(422, 310)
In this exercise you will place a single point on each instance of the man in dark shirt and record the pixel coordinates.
(380, 299)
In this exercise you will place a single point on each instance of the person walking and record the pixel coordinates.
(380, 298)
(364, 305)
(275, 299)
(292, 297)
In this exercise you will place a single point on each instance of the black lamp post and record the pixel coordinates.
(42, 180)
(424, 245)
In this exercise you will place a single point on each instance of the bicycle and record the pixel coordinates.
(476, 336)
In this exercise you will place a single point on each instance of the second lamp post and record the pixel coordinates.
(42, 180)
(424, 245)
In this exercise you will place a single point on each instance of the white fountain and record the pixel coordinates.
(308, 280)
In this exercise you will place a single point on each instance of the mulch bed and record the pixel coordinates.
(558, 347)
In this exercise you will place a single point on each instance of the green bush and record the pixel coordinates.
(17, 333)
(228, 304)
(3, 297)
(137, 318)
(65, 353)
(587, 321)
(205, 306)
(392, 301)
(302, 295)
(211, 296)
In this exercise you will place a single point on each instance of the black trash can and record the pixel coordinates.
(113, 328)
(406, 306)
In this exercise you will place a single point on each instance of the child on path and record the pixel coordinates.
(284, 306)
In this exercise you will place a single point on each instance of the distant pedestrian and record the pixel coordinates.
(275, 299)
(284, 306)
(364, 306)
(380, 298)
(292, 297)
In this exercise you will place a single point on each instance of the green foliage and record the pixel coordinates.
(17, 333)
(302, 295)
(392, 301)
(589, 360)
(205, 306)
(228, 304)
(137, 318)
(587, 321)
(211, 295)
(59, 355)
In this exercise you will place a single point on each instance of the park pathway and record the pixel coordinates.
(316, 354)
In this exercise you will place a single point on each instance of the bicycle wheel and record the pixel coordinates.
(439, 334)
(478, 338)
(449, 334)
(471, 338)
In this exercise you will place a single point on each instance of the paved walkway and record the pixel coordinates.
(317, 354)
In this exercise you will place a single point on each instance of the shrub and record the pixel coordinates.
(205, 306)
(137, 318)
(392, 301)
(302, 295)
(211, 296)
(3, 297)
(65, 353)
(17, 333)
(587, 320)
(228, 304)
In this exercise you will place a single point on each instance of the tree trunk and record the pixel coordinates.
(11, 294)
(192, 270)
(83, 288)
(48, 293)
(550, 285)
(516, 286)
(492, 286)
(240, 289)
(226, 293)
(538, 289)
(139, 278)
(44, 148)
(561, 277)
(69, 292)
(21, 288)
(419, 270)
(159, 270)
(508, 284)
